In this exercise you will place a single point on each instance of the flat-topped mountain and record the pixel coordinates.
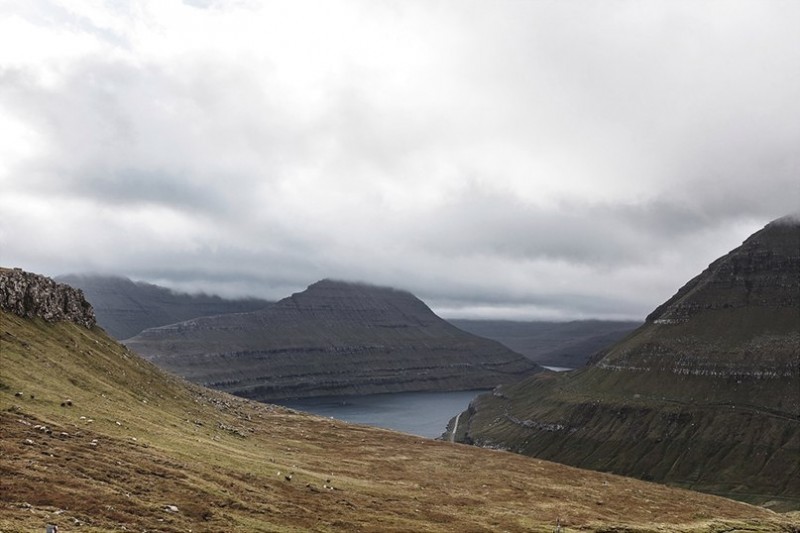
(334, 338)
(94, 438)
(706, 394)
(125, 308)
(559, 344)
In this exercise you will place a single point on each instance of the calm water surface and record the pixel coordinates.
(420, 413)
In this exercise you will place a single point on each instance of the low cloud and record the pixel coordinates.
(520, 160)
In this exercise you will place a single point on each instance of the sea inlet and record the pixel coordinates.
(425, 414)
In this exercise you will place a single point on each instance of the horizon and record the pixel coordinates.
(478, 316)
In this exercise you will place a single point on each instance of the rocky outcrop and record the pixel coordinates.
(335, 338)
(125, 308)
(33, 296)
(706, 394)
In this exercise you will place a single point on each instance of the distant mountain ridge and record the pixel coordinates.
(125, 308)
(334, 338)
(558, 344)
(706, 394)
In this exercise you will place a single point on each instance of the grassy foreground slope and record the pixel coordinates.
(130, 441)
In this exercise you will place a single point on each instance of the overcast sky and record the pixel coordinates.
(515, 159)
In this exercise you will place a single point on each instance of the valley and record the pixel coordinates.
(95, 438)
(560, 344)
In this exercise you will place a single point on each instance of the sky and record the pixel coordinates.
(517, 159)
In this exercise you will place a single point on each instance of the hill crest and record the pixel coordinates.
(334, 338)
(763, 272)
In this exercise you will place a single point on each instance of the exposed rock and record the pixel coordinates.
(31, 295)
(334, 338)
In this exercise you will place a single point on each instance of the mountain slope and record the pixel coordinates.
(706, 394)
(334, 338)
(125, 308)
(133, 448)
(561, 344)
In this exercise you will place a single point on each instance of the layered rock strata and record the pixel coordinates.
(334, 338)
(706, 394)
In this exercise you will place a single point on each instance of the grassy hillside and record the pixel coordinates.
(602, 420)
(705, 395)
(129, 441)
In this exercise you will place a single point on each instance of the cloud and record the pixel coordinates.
(536, 159)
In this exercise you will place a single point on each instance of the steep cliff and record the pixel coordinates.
(125, 308)
(31, 295)
(706, 394)
(333, 338)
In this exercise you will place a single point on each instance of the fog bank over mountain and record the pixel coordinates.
(515, 160)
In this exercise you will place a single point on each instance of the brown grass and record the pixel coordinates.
(222, 461)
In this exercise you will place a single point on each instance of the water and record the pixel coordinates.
(419, 413)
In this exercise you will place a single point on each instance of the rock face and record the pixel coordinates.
(706, 394)
(558, 344)
(334, 338)
(125, 308)
(31, 296)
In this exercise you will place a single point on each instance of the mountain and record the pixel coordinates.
(706, 394)
(558, 344)
(125, 308)
(334, 338)
(94, 438)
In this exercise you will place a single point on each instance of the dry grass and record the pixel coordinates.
(223, 462)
